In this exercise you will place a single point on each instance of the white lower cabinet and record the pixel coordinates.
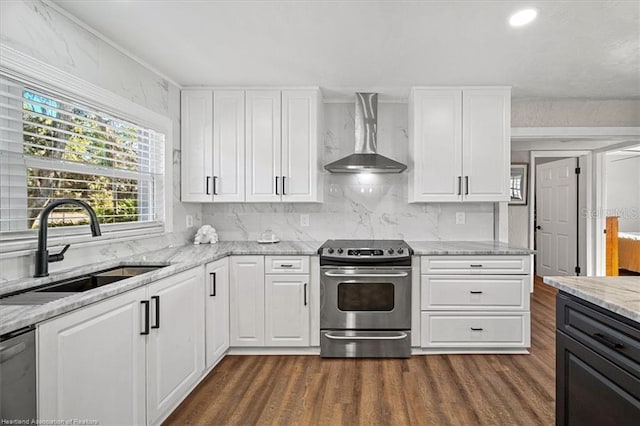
(287, 310)
(99, 363)
(175, 348)
(475, 303)
(216, 298)
(92, 363)
(247, 300)
(269, 309)
(472, 330)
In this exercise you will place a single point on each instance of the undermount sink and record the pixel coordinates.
(63, 288)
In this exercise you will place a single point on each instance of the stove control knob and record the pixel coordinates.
(390, 251)
(330, 250)
(400, 250)
(340, 251)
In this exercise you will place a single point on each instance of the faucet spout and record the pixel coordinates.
(42, 254)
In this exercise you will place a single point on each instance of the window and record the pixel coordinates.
(53, 147)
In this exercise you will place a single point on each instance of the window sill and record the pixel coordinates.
(22, 247)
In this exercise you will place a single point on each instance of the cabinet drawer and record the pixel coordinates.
(487, 292)
(519, 265)
(286, 264)
(473, 329)
(615, 340)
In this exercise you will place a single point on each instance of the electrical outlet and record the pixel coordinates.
(460, 218)
(189, 221)
(304, 220)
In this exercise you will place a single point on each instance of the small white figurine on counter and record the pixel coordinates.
(206, 234)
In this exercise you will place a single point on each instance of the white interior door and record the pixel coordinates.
(556, 218)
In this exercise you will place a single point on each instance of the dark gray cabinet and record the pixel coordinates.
(597, 365)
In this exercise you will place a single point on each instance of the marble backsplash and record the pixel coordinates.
(356, 206)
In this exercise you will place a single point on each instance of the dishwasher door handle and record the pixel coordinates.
(8, 352)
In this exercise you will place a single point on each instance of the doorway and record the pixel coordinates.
(558, 230)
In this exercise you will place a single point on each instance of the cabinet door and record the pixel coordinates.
(436, 145)
(287, 310)
(175, 350)
(263, 150)
(486, 135)
(591, 390)
(91, 363)
(216, 310)
(300, 145)
(196, 145)
(228, 146)
(247, 301)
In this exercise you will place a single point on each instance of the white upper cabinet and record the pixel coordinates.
(460, 144)
(212, 129)
(228, 146)
(486, 136)
(300, 156)
(264, 180)
(196, 145)
(253, 146)
(436, 122)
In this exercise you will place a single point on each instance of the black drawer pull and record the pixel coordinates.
(286, 265)
(475, 292)
(607, 341)
(476, 329)
(475, 265)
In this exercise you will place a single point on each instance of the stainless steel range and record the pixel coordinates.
(365, 304)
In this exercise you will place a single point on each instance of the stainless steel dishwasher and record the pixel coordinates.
(18, 375)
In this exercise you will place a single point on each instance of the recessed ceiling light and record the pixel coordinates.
(523, 17)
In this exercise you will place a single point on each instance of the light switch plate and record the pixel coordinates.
(304, 220)
(460, 218)
(189, 221)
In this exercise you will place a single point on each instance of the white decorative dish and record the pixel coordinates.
(268, 241)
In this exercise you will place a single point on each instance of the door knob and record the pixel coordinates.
(538, 227)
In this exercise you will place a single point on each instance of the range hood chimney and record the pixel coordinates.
(365, 159)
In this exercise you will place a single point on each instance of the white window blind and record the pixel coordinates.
(54, 147)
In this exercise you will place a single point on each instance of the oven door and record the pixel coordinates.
(365, 299)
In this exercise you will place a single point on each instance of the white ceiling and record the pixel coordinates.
(575, 49)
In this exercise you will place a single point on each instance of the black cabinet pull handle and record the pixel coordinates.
(213, 284)
(286, 265)
(283, 193)
(476, 329)
(207, 185)
(157, 299)
(475, 292)
(305, 294)
(466, 185)
(607, 341)
(145, 303)
(215, 186)
(459, 185)
(476, 265)
(277, 185)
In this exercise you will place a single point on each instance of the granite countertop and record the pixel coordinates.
(462, 248)
(617, 294)
(178, 259)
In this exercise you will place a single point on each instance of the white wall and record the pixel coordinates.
(38, 30)
(623, 191)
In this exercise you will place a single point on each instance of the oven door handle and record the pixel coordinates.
(365, 274)
(398, 336)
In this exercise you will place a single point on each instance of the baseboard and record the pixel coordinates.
(470, 351)
(274, 351)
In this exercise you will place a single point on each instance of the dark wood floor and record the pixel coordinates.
(422, 390)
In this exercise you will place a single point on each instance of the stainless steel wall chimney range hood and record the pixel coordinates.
(365, 159)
